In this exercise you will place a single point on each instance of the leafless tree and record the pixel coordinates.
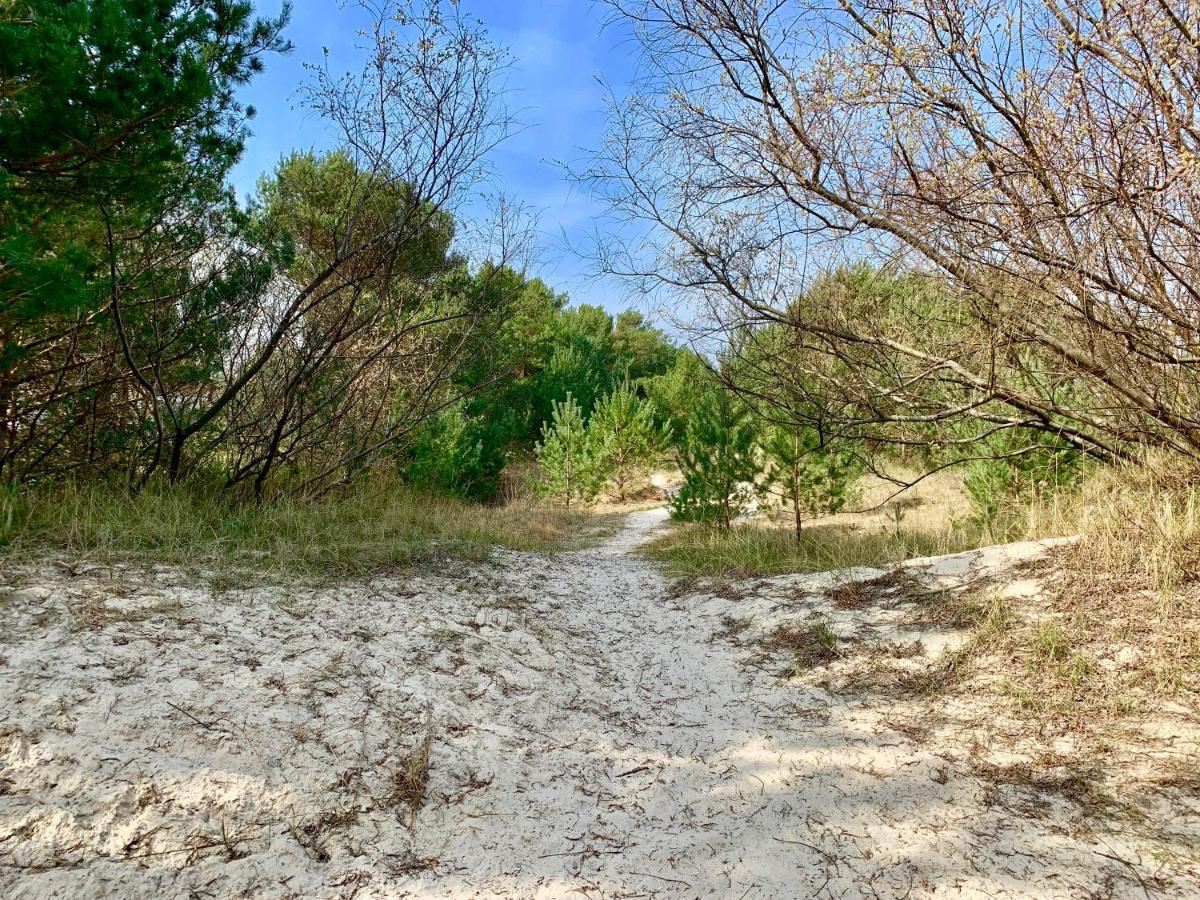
(1038, 157)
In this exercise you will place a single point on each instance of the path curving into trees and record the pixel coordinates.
(660, 756)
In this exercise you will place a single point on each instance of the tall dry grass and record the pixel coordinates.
(1116, 630)
(933, 518)
(1141, 519)
(751, 548)
(371, 525)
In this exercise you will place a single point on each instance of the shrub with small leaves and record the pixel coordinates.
(453, 455)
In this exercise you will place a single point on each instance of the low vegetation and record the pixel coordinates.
(754, 549)
(801, 646)
(1116, 634)
(371, 525)
(932, 518)
(1141, 520)
(1113, 634)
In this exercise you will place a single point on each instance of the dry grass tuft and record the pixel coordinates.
(926, 507)
(1178, 775)
(94, 612)
(731, 628)
(1142, 520)
(1081, 786)
(1104, 648)
(932, 518)
(1119, 633)
(410, 777)
(803, 646)
(955, 609)
(865, 592)
(988, 619)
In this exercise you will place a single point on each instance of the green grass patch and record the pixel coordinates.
(369, 526)
(748, 549)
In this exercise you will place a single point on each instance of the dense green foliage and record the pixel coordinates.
(567, 458)
(154, 328)
(535, 352)
(676, 392)
(328, 323)
(613, 450)
(1019, 468)
(717, 454)
(452, 455)
(120, 126)
(152, 325)
(625, 439)
(114, 112)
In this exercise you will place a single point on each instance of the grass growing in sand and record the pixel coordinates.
(1118, 633)
(1113, 636)
(930, 519)
(1114, 633)
(374, 524)
(752, 549)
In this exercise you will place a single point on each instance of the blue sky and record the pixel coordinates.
(559, 51)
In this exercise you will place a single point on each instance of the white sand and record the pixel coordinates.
(590, 737)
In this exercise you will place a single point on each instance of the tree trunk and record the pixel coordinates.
(567, 478)
(174, 468)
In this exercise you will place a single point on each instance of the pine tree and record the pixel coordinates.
(812, 476)
(718, 459)
(624, 438)
(565, 457)
(118, 116)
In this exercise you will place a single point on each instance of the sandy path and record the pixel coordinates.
(590, 734)
(645, 778)
(673, 769)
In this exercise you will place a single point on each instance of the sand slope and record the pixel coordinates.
(590, 733)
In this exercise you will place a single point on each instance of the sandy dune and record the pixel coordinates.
(590, 732)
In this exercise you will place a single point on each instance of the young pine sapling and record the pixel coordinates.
(625, 439)
(565, 456)
(807, 473)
